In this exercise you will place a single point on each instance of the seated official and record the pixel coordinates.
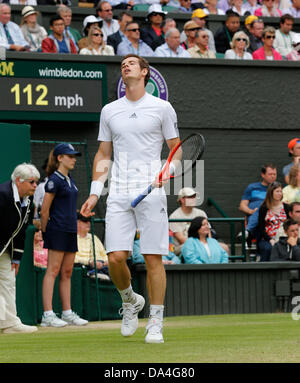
(199, 247)
(170, 259)
(287, 248)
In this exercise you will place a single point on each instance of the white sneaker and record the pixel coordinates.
(74, 319)
(130, 315)
(52, 321)
(154, 330)
(19, 328)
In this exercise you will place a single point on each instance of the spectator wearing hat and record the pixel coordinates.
(116, 38)
(165, 26)
(66, 13)
(256, 28)
(11, 36)
(212, 8)
(294, 8)
(247, 23)
(187, 198)
(294, 55)
(87, 23)
(190, 28)
(154, 18)
(57, 41)
(239, 45)
(267, 52)
(283, 42)
(32, 31)
(104, 13)
(172, 47)
(294, 151)
(269, 8)
(87, 245)
(200, 49)
(224, 34)
(132, 43)
(200, 17)
(59, 227)
(185, 6)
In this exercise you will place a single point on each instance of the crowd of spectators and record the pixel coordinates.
(159, 35)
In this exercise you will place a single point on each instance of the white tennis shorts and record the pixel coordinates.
(150, 217)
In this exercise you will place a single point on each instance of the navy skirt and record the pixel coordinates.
(60, 240)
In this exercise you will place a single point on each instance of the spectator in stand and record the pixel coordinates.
(57, 42)
(247, 23)
(119, 4)
(283, 42)
(11, 36)
(190, 28)
(212, 8)
(86, 245)
(294, 9)
(96, 44)
(116, 38)
(238, 7)
(172, 48)
(165, 26)
(40, 254)
(200, 247)
(200, 49)
(294, 214)
(291, 192)
(32, 31)
(87, 23)
(254, 195)
(66, 14)
(154, 18)
(288, 247)
(132, 43)
(16, 211)
(223, 36)
(255, 35)
(170, 259)
(250, 6)
(294, 55)
(105, 13)
(268, 8)
(185, 6)
(200, 17)
(294, 151)
(267, 52)
(225, 5)
(272, 213)
(239, 45)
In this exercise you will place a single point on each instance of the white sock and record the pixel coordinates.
(48, 313)
(157, 311)
(67, 312)
(128, 295)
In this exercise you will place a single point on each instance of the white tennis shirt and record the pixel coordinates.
(137, 131)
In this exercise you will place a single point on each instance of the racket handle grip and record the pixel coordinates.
(143, 195)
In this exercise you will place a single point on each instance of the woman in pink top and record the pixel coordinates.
(268, 9)
(267, 52)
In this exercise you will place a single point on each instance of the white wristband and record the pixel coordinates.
(96, 188)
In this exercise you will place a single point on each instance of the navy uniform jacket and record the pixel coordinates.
(13, 222)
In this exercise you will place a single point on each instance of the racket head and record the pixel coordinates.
(184, 156)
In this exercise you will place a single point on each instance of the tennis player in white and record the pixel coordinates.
(134, 127)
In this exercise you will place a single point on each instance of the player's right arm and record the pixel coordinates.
(100, 173)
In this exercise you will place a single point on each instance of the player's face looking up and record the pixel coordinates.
(131, 70)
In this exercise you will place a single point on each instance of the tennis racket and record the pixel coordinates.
(180, 161)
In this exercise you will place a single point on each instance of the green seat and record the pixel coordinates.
(141, 7)
(219, 55)
(168, 8)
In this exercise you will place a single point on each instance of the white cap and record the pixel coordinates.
(156, 8)
(90, 20)
(186, 192)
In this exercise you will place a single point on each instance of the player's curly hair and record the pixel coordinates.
(143, 64)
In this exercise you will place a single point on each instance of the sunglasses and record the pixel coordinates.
(133, 30)
(194, 29)
(269, 37)
(156, 14)
(204, 36)
(31, 181)
(241, 39)
(98, 34)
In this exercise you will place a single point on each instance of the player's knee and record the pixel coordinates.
(116, 258)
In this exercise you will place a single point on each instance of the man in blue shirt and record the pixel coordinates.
(132, 42)
(172, 47)
(255, 194)
(11, 36)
